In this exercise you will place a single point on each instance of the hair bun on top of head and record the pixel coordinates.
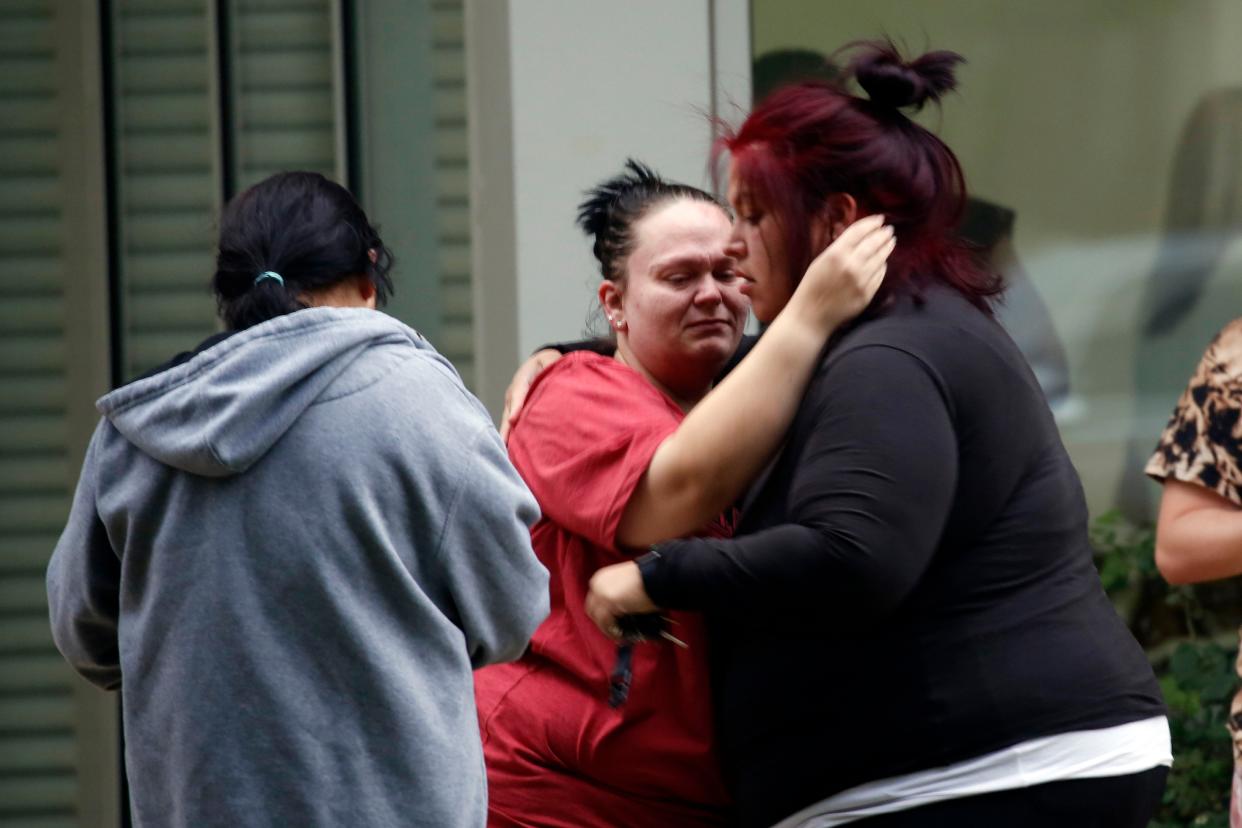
(595, 209)
(612, 208)
(891, 81)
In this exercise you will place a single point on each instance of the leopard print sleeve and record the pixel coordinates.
(1203, 441)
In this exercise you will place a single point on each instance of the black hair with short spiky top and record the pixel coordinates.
(612, 208)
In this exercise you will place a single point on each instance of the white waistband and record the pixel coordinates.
(1081, 754)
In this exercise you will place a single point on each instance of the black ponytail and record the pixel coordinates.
(305, 229)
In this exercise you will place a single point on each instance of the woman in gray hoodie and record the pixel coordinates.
(291, 546)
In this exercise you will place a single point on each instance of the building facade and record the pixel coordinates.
(1099, 136)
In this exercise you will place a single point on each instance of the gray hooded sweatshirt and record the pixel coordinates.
(290, 551)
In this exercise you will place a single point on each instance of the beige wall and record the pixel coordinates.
(560, 94)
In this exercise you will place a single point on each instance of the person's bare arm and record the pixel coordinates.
(727, 438)
(1198, 536)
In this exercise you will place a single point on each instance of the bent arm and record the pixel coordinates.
(726, 440)
(1198, 535)
(83, 587)
(499, 587)
(524, 377)
(869, 500)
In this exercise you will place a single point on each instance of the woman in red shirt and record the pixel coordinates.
(625, 451)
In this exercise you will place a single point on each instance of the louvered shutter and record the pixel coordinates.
(167, 188)
(456, 335)
(285, 110)
(281, 72)
(168, 162)
(38, 778)
(283, 76)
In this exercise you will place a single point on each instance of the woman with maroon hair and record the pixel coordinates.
(626, 450)
(908, 628)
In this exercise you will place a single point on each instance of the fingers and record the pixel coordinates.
(873, 285)
(519, 386)
(866, 267)
(859, 230)
(506, 415)
(603, 616)
(870, 259)
(515, 397)
(875, 277)
(873, 242)
(858, 244)
(878, 260)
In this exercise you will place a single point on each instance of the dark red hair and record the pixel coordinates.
(807, 142)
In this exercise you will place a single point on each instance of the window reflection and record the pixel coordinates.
(1101, 146)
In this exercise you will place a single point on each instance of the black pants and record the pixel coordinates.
(1106, 802)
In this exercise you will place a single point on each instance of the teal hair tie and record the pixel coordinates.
(270, 274)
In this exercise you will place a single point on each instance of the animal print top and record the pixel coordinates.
(1203, 441)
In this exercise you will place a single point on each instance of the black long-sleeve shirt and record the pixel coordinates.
(912, 583)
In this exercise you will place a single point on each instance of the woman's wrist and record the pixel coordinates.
(801, 330)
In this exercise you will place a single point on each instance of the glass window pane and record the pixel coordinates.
(1101, 141)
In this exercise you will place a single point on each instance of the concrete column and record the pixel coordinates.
(560, 94)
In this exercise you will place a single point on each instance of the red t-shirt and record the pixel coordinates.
(557, 753)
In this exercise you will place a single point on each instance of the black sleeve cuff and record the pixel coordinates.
(658, 575)
(603, 347)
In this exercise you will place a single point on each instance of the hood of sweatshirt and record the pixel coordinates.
(219, 411)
